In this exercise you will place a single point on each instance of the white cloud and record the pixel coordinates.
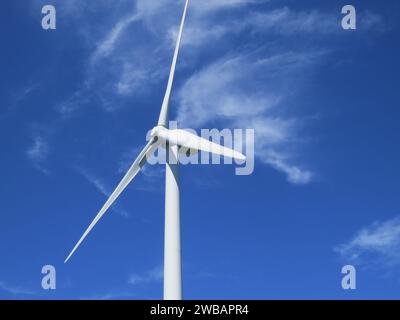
(286, 21)
(131, 65)
(203, 7)
(130, 57)
(283, 21)
(123, 64)
(100, 186)
(95, 181)
(248, 92)
(289, 22)
(377, 244)
(295, 174)
(68, 107)
(15, 290)
(113, 295)
(107, 45)
(38, 152)
(199, 33)
(151, 276)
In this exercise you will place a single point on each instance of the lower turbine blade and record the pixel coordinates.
(132, 172)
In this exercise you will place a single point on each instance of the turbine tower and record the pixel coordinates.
(172, 140)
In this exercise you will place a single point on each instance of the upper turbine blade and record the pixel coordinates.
(191, 141)
(132, 172)
(163, 120)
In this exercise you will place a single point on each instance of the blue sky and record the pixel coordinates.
(77, 102)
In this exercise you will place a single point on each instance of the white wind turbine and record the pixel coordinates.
(172, 140)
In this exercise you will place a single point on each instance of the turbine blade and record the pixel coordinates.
(132, 172)
(162, 121)
(191, 141)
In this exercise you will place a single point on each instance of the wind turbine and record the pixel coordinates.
(172, 140)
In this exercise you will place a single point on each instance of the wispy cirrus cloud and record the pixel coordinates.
(289, 22)
(132, 66)
(113, 295)
(376, 245)
(204, 7)
(131, 54)
(128, 66)
(108, 44)
(153, 275)
(101, 187)
(37, 152)
(247, 91)
(134, 281)
(233, 84)
(15, 290)
(282, 21)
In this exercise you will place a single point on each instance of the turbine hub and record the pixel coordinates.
(158, 132)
